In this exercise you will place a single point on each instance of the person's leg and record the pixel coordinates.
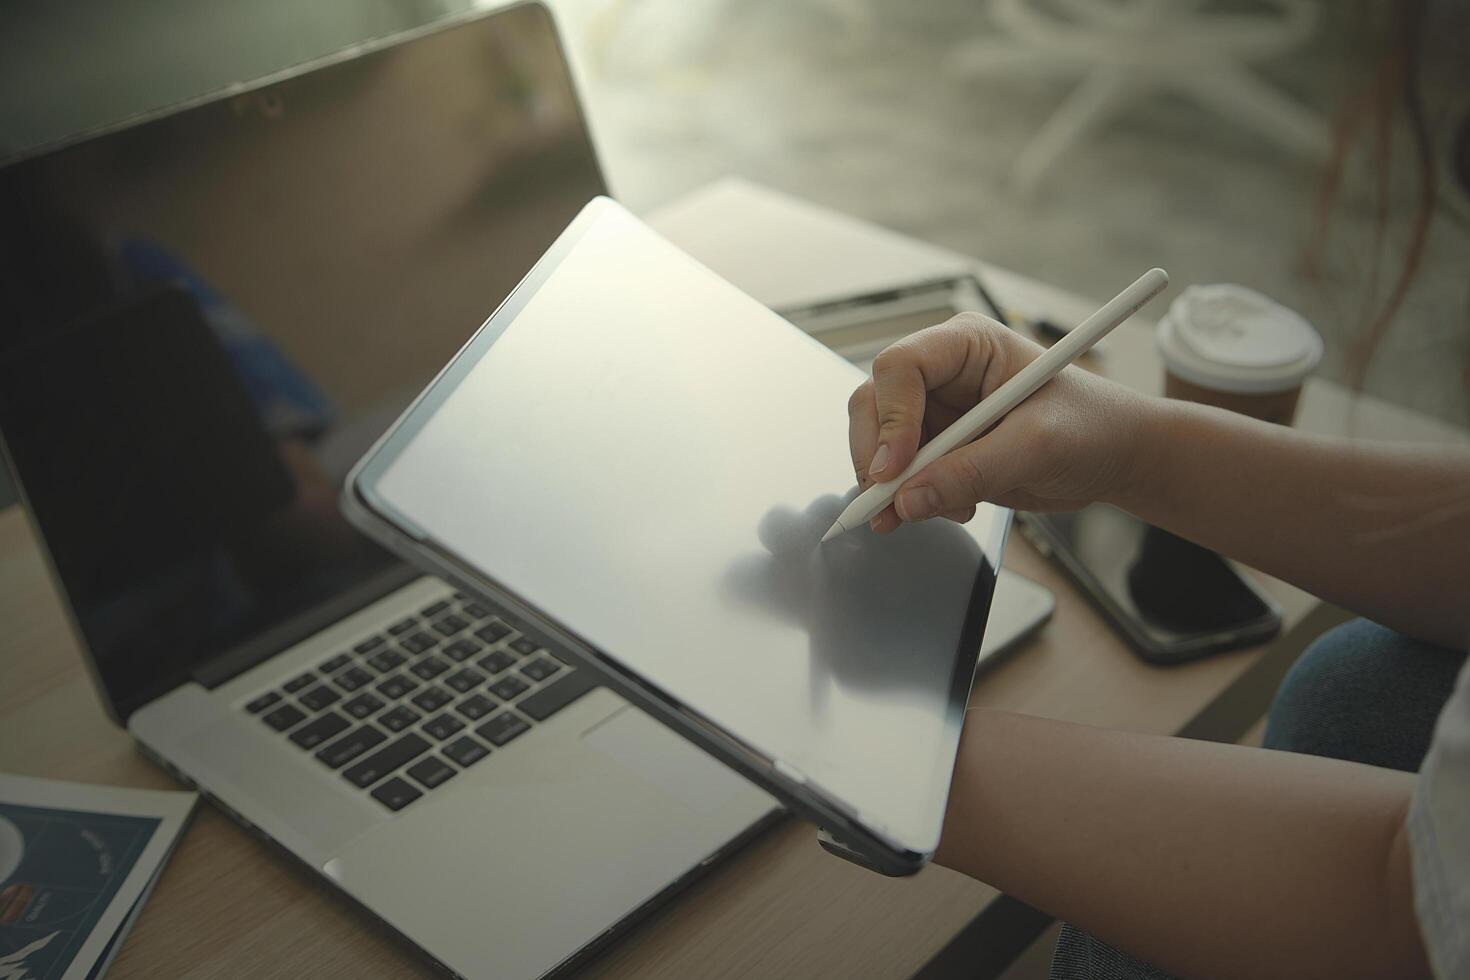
(1360, 692)
(1364, 693)
(1082, 956)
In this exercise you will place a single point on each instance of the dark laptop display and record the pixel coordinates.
(207, 317)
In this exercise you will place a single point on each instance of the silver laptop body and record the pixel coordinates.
(513, 866)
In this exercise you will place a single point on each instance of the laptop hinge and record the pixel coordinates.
(234, 662)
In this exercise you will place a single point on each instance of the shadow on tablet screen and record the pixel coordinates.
(880, 611)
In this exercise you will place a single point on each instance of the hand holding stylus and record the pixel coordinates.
(1052, 439)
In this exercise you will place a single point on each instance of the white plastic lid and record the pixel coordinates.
(1230, 338)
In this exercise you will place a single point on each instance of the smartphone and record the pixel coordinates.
(1018, 610)
(1173, 600)
(859, 327)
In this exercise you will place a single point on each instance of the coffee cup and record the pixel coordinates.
(1234, 348)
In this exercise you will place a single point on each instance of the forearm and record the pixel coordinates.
(1207, 860)
(1379, 529)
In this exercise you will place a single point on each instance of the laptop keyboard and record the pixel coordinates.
(404, 710)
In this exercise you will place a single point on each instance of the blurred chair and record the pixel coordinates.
(1130, 50)
(659, 33)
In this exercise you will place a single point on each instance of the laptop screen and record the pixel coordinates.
(206, 318)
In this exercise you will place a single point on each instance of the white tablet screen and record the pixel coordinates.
(649, 457)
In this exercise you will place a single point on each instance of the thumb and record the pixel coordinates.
(983, 470)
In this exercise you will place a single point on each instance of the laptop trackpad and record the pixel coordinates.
(643, 746)
(518, 862)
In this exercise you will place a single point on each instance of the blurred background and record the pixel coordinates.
(1075, 141)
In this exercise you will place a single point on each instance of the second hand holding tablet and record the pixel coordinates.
(976, 421)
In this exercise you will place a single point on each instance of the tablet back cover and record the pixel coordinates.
(648, 457)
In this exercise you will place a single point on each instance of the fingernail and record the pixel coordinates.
(917, 503)
(880, 460)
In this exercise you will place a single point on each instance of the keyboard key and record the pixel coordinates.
(540, 669)
(429, 612)
(432, 699)
(432, 771)
(524, 645)
(319, 697)
(502, 728)
(362, 705)
(429, 668)
(495, 661)
(396, 794)
(475, 707)
(465, 751)
(314, 733)
(385, 760)
(261, 703)
(508, 687)
(385, 660)
(397, 686)
(299, 682)
(284, 717)
(403, 626)
(418, 642)
(464, 680)
(462, 650)
(493, 632)
(334, 663)
(451, 624)
(443, 726)
(350, 746)
(399, 718)
(369, 645)
(352, 678)
(475, 611)
(558, 694)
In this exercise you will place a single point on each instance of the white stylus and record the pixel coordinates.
(870, 503)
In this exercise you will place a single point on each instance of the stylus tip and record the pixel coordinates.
(833, 531)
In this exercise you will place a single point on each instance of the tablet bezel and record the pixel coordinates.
(847, 833)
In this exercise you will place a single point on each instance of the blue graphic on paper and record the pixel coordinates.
(70, 865)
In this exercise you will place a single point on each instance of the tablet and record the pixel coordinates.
(638, 460)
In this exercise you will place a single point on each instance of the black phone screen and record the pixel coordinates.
(1169, 593)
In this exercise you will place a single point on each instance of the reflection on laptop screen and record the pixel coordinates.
(206, 318)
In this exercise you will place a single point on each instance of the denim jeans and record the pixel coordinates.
(1360, 692)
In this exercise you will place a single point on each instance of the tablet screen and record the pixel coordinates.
(648, 457)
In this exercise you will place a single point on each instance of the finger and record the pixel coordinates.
(886, 521)
(977, 472)
(961, 516)
(862, 431)
(899, 393)
(913, 379)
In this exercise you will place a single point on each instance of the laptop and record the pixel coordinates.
(206, 317)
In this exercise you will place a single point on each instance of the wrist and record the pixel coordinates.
(1144, 454)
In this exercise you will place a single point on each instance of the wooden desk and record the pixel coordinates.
(228, 905)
